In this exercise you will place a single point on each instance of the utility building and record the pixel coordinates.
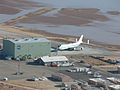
(46, 60)
(26, 47)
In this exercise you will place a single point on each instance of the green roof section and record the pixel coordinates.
(28, 40)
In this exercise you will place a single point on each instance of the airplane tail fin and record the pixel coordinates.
(76, 40)
(88, 41)
(80, 40)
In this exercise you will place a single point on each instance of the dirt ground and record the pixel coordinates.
(27, 85)
(89, 60)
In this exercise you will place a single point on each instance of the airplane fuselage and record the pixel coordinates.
(69, 46)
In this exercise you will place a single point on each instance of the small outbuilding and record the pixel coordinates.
(114, 87)
(46, 60)
(61, 77)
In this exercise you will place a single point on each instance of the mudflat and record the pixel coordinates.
(113, 12)
(8, 10)
(67, 16)
(15, 6)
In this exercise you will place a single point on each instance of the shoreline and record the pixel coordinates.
(54, 37)
(81, 13)
(91, 22)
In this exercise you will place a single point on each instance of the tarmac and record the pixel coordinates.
(87, 50)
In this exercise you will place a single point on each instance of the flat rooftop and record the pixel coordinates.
(54, 58)
(114, 79)
(117, 87)
(28, 40)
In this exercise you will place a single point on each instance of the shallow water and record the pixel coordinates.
(104, 5)
(103, 32)
(5, 17)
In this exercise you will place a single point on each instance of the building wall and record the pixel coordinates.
(1, 43)
(61, 77)
(8, 48)
(32, 49)
(23, 50)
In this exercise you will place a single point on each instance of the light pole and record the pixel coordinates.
(18, 71)
(19, 66)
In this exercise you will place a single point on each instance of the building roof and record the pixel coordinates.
(115, 86)
(101, 81)
(113, 79)
(54, 58)
(97, 79)
(60, 75)
(92, 88)
(28, 40)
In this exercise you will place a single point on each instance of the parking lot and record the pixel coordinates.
(9, 68)
(87, 50)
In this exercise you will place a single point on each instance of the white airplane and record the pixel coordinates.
(71, 46)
